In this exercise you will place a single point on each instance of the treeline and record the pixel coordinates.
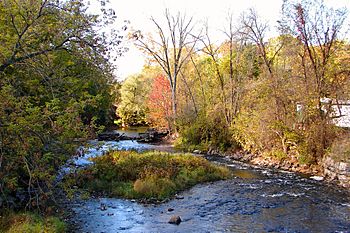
(270, 96)
(55, 87)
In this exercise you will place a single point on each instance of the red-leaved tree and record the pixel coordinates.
(159, 102)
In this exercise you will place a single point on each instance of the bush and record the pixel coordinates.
(205, 132)
(31, 223)
(147, 175)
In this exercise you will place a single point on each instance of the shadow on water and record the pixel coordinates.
(255, 200)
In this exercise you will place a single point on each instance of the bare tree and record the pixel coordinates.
(171, 48)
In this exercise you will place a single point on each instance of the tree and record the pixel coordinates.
(212, 51)
(171, 49)
(55, 87)
(159, 102)
(33, 28)
(317, 29)
(133, 98)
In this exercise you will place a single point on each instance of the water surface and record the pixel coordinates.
(256, 200)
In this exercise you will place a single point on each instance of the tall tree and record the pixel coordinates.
(171, 49)
(33, 28)
(318, 30)
(54, 87)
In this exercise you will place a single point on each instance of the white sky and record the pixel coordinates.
(140, 11)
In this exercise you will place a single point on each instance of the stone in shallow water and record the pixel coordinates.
(175, 220)
(318, 178)
(179, 197)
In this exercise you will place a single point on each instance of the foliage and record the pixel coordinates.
(151, 174)
(132, 107)
(205, 132)
(30, 223)
(159, 103)
(246, 90)
(55, 87)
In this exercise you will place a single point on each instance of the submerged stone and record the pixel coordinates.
(175, 220)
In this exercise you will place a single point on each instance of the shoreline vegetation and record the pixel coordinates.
(29, 222)
(147, 176)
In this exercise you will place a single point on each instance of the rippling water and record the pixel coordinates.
(256, 200)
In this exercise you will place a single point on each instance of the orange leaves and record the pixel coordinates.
(159, 102)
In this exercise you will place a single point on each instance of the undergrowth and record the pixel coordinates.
(147, 175)
(30, 223)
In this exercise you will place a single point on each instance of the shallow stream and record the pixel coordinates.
(256, 200)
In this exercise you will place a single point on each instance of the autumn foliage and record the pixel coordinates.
(159, 102)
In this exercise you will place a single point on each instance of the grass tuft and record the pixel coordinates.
(147, 175)
(30, 223)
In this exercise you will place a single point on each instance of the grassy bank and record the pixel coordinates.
(147, 175)
(30, 223)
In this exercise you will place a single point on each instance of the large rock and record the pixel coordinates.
(175, 220)
(335, 170)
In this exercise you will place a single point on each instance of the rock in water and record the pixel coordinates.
(318, 178)
(175, 220)
(179, 197)
(103, 207)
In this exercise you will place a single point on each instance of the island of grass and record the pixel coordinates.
(147, 175)
(11, 222)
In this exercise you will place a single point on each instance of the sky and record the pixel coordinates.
(138, 12)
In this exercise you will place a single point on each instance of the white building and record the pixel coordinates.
(340, 112)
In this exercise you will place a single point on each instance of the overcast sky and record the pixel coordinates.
(138, 12)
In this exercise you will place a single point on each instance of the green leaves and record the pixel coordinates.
(55, 86)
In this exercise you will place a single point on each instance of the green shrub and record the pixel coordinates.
(205, 132)
(31, 223)
(147, 175)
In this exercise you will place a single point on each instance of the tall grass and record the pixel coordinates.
(30, 223)
(147, 175)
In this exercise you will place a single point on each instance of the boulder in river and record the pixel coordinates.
(103, 207)
(175, 219)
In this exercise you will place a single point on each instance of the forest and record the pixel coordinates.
(276, 97)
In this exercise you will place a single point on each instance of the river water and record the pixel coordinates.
(255, 200)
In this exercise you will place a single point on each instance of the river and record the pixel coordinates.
(255, 200)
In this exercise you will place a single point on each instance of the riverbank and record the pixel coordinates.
(328, 170)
